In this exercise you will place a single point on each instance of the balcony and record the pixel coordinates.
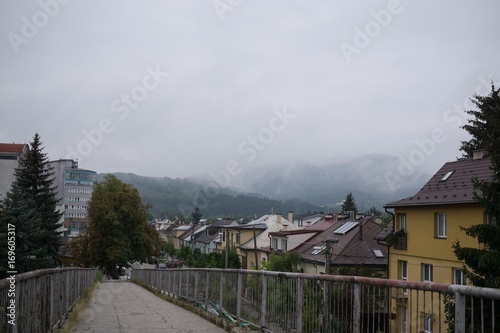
(398, 240)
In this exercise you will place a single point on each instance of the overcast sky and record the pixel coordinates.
(182, 88)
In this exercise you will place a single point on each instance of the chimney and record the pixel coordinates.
(290, 216)
(479, 154)
(278, 217)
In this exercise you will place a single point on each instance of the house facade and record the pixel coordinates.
(426, 226)
(10, 154)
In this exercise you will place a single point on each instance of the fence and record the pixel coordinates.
(38, 300)
(292, 302)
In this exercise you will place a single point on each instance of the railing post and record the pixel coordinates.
(196, 276)
(51, 302)
(459, 313)
(356, 313)
(326, 304)
(179, 292)
(300, 304)
(263, 307)
(238, 296)
(221, 292)
(207, 289)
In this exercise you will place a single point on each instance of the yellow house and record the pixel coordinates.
(425, 227)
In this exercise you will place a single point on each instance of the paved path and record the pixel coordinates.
(122, 306)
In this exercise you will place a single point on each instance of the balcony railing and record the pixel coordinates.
(398, 240)
(292, 302)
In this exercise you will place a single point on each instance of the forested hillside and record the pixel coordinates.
(178, 197)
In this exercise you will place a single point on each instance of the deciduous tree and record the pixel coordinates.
(118, 232)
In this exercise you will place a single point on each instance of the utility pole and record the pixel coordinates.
(255, 248)
(328, 254)
(326, 286)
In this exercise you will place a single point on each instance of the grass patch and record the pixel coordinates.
(80, 305)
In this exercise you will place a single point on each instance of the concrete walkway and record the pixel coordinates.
(122, 306)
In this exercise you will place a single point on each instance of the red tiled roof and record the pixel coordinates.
(16, 148)
(458, 188)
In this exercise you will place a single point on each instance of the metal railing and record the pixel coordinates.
(292, 302)
(37, 301)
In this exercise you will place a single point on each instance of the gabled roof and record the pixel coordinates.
(12, 148)
(452, 184)
(274, 223)
(187, 236)
(307, 215)
(350, 249)
(207, 238)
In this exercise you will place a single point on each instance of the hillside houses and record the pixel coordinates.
(355, 245)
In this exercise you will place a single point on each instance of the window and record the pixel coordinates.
(402, 222)
(403, 272)
(459, 276)
(441, 225)
(283, 244)
(426, 272)
(427, 323)
(238, 238)
(403, 266)
(274, 244)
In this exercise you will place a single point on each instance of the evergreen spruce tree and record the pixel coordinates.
(483, 265)
(31, 206)
(349, 204)
(196, 215)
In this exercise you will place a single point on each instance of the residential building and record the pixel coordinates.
(178, 233)
(349, 246)
(207, 241)
(427, 224)
(255, 251)
(74, 191)
(304, 220)
(10, 154)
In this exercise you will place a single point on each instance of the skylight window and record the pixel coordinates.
(378, 253)
(318, 250)
(345, 228)
(448, 174)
